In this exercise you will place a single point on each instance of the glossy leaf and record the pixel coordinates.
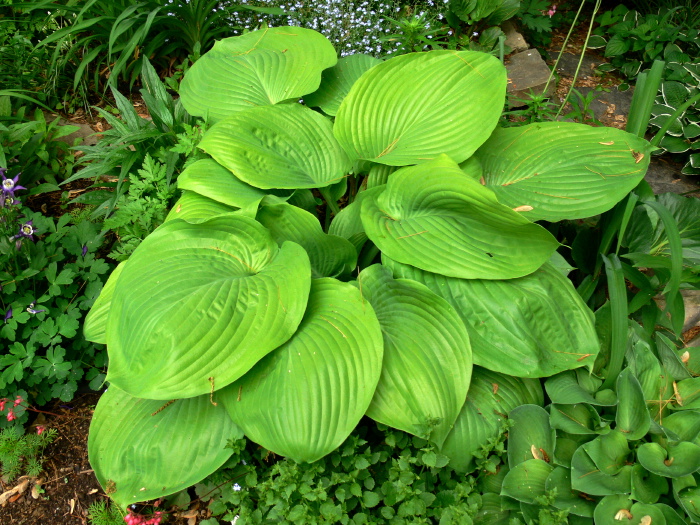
(198, 305)
(427, 357)
(564, 388)
(432, 216)
(96, 320)
(415, 107)
(676, 460)
(504, 334)
(563, 170)
(142, 449)
(348, 223)
(530, 437)
(303, 400)
(613, 510)
(288, 146)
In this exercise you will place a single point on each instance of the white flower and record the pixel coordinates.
(236, 487)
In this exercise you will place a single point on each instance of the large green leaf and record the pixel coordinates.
(632, 417)
(194, 208)
(348, 223)
(505, 335)
(143, 449)
(415, 107)
(330, 255)
(587, 477)
(563, 170)
(674, 461)
(565, 497)
(526, 481)
(531, 437)
(427, 358)
(337, 81)
(491, 396)
(436, 218)
(303, 400)
(96, 319)
(197, 305)
(286, 146)
(256, 69)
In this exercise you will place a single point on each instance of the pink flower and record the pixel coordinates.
(18, 400)
(40, 429)
(2, 404)
(10, 415)
(552, 10)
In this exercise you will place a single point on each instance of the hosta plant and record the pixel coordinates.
(259, 308)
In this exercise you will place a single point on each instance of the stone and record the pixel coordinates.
(84, 132)
(527, 72)
(665, 177)
(514, 39)
(569, 62)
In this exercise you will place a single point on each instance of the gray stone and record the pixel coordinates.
(527, 72)
(514, 39)
(87, 135)
(665, 177)
(569, 62)
(611, 108)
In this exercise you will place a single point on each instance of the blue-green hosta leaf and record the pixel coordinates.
(259, 68)
(436, 218)
(526, 481)
(195, 208)
(303, 400)
(143, 449)
(562, 170)
(427, 358)
(686, 492)
(530, 437)
(565, 497)
(287, 146)
(647, 487)
(330, 255)
(415, 107)
(587, 477)
(491, 396)
(337, 81)
(504, 334)
(198, 305)
(96, 319)
(674, 461)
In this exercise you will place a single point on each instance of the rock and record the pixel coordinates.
(527, 72)
(514, 39)
(665, 177)
(569, 62)
(85, 133)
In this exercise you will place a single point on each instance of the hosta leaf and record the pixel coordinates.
(337, 81)
(526, 481)
(566, 497)
(305, 398)
(491, 396)
(564, 388)
(632, 417)
(415, 107)
(613, 510)
(427, 358)
(330, 255)
(198, 305)
(436, 218)
(578, 419)
(587, 477)
(563, 170)
(348, 223)
(647, 487)
(686, 492)
(504, 335)
(142, 449)
(530, 437)
(210, 179)
(259, 68)
(674, 461)
(670, 515)
(648, 513)
(683, 426)
(96, 319)
(287, 146)
(687, 394)
(609, 452)
(195, 208)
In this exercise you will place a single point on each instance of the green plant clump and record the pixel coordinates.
(20, 452)
(423, 293)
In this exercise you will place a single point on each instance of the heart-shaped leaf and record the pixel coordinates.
(432, 216)
(286, 146)
(303, 400)
(563, 170)
(531, 437)
(504, 334)
(587, 477)
(197, 305)
(613, 510)
(259, 68)
(427, 358)
(526, 481)
(417, 106)
(96, 319)
(674, 461)
(143, 449)
(647, 487)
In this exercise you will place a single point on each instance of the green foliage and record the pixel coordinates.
(21, 453)
(104, 513)
(235, 315)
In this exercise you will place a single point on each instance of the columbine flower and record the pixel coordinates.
(8, 200)
(26, 231)
(8, 314)
(32, 311)
(85, 250)
(10, 186)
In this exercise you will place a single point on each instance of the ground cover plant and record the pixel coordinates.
(426, 280)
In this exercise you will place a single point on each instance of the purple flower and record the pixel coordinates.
(7, 200)
(85, 250)
(26, 231)
(10, 186)
(31, 309)
(8, 314)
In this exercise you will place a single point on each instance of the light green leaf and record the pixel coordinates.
(259, 68)
(337, 81)
(195, 208)
(303, 400)
(530, 437)
(142, 449)
(564, 388)
(688, 394)
(287, 146)
(436, 218)
(348, 223)
(563, 170)
(491, 396)
(198, 305)
(415, 107)
(96, 319)
(504, 335)
(427, 358)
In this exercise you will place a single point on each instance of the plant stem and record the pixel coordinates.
(333, 205)
(563, 46)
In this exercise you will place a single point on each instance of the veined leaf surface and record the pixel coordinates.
(427, 358)
(436, 218)
(143, 449)
(505, 334)
(198, 305)
(303, 399)
(415, 107)
(286, 146)
(563, 170)
(96, 319)
(194, 208)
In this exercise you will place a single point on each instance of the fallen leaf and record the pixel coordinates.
(36, 489)
(14, 493)
(72, 505)
(92, 491)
